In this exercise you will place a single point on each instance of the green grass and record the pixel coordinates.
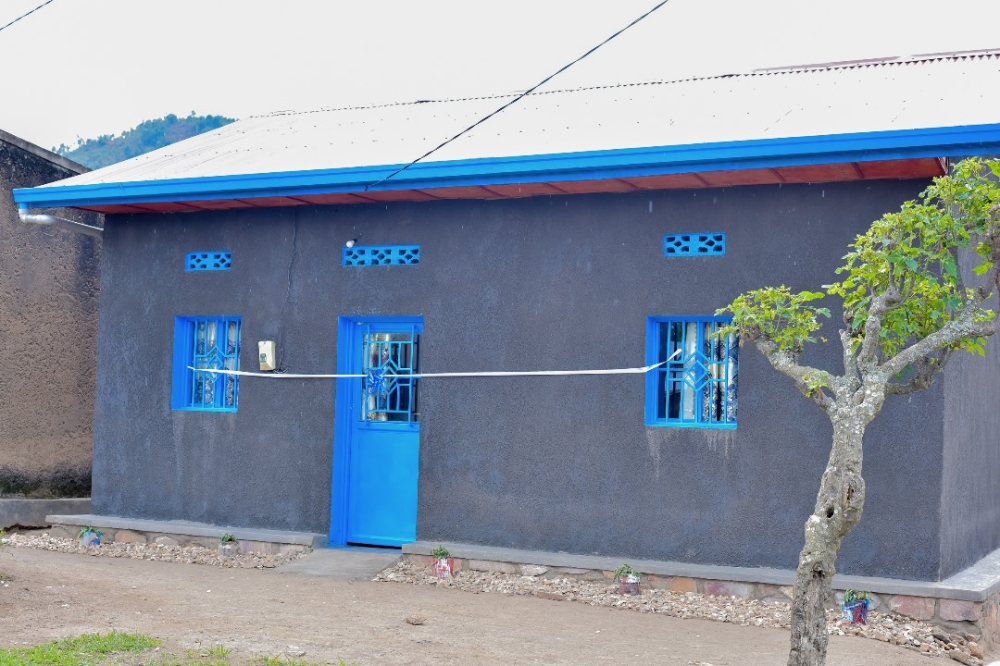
(80, 651)
(218, 651)
(123, 649)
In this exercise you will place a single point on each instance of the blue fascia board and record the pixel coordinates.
(593, 165)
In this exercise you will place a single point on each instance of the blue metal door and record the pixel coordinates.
(384, 433)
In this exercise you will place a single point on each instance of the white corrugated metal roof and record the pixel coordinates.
(932, 92)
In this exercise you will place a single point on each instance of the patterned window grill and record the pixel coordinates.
(207, 344)
(694, 245)
(381, 255)
(388, 392)
(208, 261)
(699, 385)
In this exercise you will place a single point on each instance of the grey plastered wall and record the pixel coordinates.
(539, 463)
(48, 336)
(970, 494)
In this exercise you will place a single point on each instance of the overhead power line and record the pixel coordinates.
(515, 100)
(25, 15)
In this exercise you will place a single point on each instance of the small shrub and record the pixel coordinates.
(440, 553)
(626, 570)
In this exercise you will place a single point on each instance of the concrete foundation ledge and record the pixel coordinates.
(185, 533)
(34, 512)
(969, 601)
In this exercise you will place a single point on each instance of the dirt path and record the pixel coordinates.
(53, 595)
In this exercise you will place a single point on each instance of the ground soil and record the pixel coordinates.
(52, 595)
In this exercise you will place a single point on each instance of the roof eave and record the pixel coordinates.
(593, 165)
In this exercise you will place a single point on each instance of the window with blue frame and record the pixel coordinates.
(698, 386)
(206, 344)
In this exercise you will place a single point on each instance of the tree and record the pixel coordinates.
(906, 310)
(144, 137)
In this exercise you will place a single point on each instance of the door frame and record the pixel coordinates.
(348, 338)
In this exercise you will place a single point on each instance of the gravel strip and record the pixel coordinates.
(151, 551)
(885, 627)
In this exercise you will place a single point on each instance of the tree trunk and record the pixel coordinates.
(838, 509)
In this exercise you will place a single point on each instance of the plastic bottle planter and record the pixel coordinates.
(228, 546)
(855, 612)
(89, 536)
(443, 567)
(854, 608)
(628, 580)
(628, 584)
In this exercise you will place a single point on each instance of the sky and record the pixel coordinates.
(83, 68)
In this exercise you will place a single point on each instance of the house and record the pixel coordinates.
(48, 340)
(585, 229)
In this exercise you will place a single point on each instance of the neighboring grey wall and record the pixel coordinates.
(48, 327)
(970, 494)
(541, 463)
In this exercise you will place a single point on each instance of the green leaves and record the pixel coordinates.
(776, 314)
(901, 277)
(908, 259)
(815, 381)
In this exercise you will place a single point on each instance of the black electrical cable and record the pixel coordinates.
(515, 100)
(25, 15)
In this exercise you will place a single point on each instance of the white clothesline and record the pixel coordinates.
(426, 375)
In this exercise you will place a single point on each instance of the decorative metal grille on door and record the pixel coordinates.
(388, 393)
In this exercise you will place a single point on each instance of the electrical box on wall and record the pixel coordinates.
(268, 355)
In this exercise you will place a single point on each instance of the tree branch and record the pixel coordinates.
(983, 291)
(850, 362)
(992, 237)
(787, 364)
(894, 388)
(957, 259)
(924, 372)
(992, 281)
(961, 327)
(881, 304)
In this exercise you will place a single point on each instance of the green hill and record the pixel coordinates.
(148, 135)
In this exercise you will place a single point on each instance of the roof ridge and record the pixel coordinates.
(886, 61)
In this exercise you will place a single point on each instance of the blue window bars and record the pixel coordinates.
(699, 385)
(206, 344)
